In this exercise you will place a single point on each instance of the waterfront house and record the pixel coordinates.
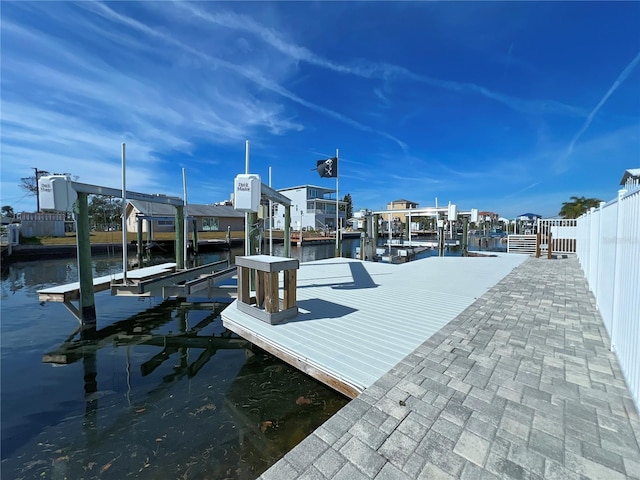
(399, 220)
(209, 218)
(358, 221)
(312, 208)
(631, 178)
(401, 204)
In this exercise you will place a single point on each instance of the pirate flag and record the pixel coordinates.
(328, 168)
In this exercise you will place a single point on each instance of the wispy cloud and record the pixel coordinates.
(519, 192)
(138, 104)
(367, 69)
(246, 71)
(587, 123)
(245, 23)
(184, 84)
(91, 103)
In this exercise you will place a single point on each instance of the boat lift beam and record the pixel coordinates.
(114, 192)
(268, 193)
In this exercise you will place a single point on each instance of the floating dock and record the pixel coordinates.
(358, 319)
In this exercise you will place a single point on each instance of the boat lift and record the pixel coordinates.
(60, 193)
(451, 211)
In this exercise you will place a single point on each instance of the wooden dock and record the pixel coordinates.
(358, 319)
(213, 280)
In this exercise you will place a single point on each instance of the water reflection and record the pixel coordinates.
(160, 390)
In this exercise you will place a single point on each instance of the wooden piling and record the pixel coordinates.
(139, 246)
(440, 238)
(465, 237)
(287, 231)
(85, 270)
(252, 218)
(195, 237)
(180, 237)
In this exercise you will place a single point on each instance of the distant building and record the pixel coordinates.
(398, 221)
(401, 205)
(209, 218)
(488, 217)
(631, 178)
(311, 208)
(358, 221)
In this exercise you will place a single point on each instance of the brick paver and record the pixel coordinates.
(521, 385)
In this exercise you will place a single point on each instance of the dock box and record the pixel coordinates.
(265, 270)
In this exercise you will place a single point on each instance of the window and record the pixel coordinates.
(210, 224)
(165, 223)
(311, 206)
(312, 193)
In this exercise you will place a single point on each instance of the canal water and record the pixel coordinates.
(160, 390)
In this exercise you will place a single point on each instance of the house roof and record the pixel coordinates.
(633, 173)
(193, 209)
(402, 200)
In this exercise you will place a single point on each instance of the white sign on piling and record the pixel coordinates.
(246, 193)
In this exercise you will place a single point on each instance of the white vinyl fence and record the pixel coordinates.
(563, 233)
(608, 247)
(521, 244)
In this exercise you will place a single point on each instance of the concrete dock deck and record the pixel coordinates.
(521, 384)
(358, 319)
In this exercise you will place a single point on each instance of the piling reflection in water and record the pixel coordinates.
(166, 393)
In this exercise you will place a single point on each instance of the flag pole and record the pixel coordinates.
(247, 249)
(186, 221)
(124, 216)
(337, 208)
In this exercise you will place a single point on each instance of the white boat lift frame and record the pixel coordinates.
(86, 313)
(430, 212)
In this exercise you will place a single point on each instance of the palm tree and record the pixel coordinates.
(7, 211)
(578, 206)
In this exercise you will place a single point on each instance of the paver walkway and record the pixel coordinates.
(520, 385)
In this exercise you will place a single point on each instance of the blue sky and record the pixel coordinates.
(510, 107)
